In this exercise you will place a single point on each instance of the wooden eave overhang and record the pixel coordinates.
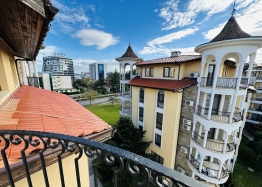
(24, 25)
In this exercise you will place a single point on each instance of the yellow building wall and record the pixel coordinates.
(54, 176)
(171, 116)
(8, 75)
(159, 70)
(190, 67)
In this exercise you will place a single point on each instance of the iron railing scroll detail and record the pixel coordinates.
(64, 144)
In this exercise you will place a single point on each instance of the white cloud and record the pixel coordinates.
(173, 36)
(155, 46)
(249, 19)
(100, 39)
(176, 16)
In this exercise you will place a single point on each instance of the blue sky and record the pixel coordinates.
(98, 30)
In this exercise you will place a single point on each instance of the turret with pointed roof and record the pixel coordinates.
(231, 31)
(130, 55)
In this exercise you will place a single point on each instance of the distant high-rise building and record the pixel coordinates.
(97, 71)
(59, 65)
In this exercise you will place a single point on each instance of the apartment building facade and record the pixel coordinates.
(59, 65)
(193, 107)
(97, 71)
(254, 115)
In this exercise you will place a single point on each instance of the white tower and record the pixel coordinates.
(220, 106)
(129, 58)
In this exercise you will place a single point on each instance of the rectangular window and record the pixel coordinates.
(141, 113)
(166, 72)
(140, 127)
(159, 120)
(141, 95)
(149, 72)
(158, 139)
(157, 158)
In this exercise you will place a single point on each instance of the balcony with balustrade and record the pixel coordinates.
(52, 149)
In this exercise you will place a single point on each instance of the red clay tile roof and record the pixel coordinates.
(129, 53)
(230, 31)
(42, 110)
(163, 84)
(167, 60)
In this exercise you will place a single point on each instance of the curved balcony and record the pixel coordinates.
(59, 146)
(125, 95)
(209, 171)
(220, 116)
(125, 111)
(224, 82)
(213, 148)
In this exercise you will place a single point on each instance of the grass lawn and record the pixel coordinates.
(242, 177)
(106, 112)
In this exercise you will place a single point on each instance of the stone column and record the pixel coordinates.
(35, 69)
(24, 77)
(205, 138)
(236, 92)
(237, 69)
(201, 164)
(29, 68)
(199, 83)
(225, 142)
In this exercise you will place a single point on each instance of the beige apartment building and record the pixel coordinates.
(193, 107)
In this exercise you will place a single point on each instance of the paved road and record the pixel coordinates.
(95, 101)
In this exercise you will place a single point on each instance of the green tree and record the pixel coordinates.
(129, 138)
(90, 95)
(114, 79)
(257, 143)
(112, 100)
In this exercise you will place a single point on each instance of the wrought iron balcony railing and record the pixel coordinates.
(224, 82)
(218, 115)
(213, 145)
(33, 81)
(134, 164)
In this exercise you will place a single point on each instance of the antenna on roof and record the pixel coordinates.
(234, 10)
(129, 38)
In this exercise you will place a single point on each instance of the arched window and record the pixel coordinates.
(160, 99)
(141, 95)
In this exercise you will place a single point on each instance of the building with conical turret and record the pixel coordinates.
(193, 107)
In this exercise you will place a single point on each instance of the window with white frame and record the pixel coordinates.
(141, 95)
(160, 99)
(141, 113)
(158, 139)
(159, 120)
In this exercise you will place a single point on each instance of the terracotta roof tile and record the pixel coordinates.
(163, 84)
(43, 110)
(169, 60)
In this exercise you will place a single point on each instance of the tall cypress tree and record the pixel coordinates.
(129, 138)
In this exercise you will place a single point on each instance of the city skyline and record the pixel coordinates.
(93, 33)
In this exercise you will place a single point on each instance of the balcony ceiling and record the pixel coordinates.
(24, 25)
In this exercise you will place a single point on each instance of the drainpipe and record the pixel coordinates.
(178, 71)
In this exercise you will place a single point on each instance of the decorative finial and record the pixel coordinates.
(234, 10)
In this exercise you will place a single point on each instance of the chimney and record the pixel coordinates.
(175, 53)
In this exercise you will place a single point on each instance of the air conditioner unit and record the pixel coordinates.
(138, 74)
(193, 75)
(189, 103)
(184, 149)
(186, 127)
(187, 121)
(180, 169)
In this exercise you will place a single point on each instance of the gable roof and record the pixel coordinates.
(169, 60)
(171, 85)
(231, 31)
(42, 110)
